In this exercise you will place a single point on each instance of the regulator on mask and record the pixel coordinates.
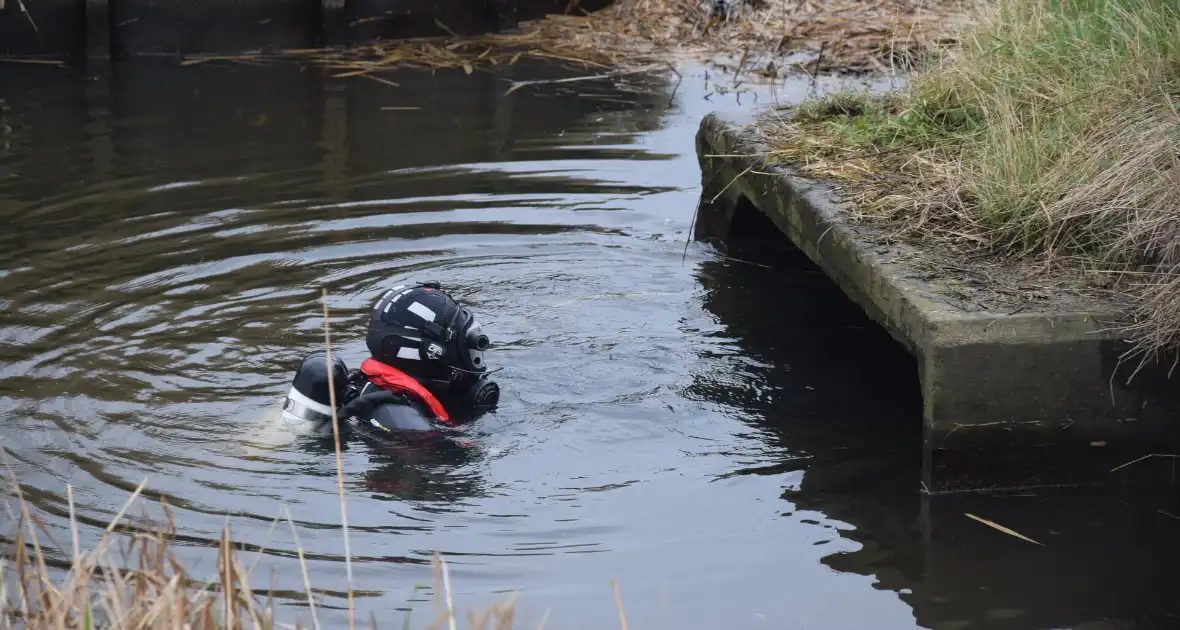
(478, 391)
(470, 379)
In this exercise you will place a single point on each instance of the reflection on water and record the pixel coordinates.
(724, 435)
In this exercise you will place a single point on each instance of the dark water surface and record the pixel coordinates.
(732, 442)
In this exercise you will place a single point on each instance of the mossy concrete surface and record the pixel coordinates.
(1042, 387)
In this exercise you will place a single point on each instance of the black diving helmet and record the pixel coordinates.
(421, 330)
(309, 401)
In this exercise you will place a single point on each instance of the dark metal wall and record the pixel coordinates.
(120, 29)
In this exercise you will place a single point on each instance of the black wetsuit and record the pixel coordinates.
(370, 408)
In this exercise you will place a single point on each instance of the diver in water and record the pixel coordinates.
(426, 371)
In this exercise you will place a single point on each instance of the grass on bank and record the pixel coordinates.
(1051, 134)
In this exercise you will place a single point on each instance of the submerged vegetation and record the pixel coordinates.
(1052, 135)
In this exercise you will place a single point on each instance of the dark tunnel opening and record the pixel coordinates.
(844, 394)
(753, 237)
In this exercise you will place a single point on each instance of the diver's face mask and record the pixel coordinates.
(472, 342)
(469, 372)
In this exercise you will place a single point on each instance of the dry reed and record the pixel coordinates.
(144, 586)
(768, 37)
(339, 464)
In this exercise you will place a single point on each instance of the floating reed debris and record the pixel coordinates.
(768, 36)
(427, 53)
(1144, 458)
(1001, 528)
(41, 62)
(606, 75)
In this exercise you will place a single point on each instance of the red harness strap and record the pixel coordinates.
(395, 380)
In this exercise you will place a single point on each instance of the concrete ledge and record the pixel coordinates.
(1046, 377)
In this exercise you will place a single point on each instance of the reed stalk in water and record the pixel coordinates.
(339, 464)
